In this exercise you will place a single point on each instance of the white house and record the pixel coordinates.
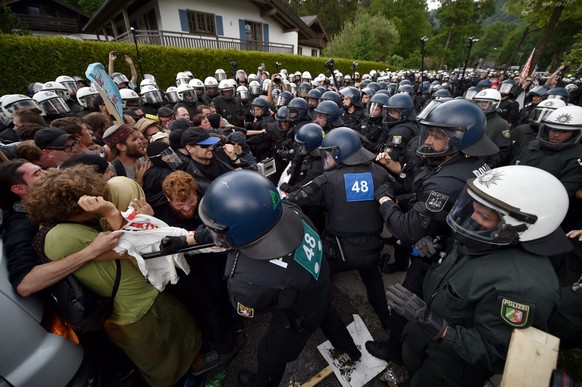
(260, 25)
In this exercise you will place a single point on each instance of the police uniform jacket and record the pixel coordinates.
(230, 109)
(352, 120)
(483, 297)
(435, 191)
(509, 110)
(372, 128)
(394, 140)
(563, 163)
(293, 289)
(498, 131)
(348, 197)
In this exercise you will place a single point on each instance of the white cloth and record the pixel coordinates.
(143, 234)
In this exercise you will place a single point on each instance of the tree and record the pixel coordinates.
(10, 24)
(458, 19)
(492, 39)
(411, 19)
(545, 15)
(89, 6)
(367, 37)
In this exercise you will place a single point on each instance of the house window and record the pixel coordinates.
(314, 52)
(34, 11)
(299, 50)
(201, 23)
(254, 36)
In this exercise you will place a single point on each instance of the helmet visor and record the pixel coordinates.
(539, 114)
(71, 86)
(255, 89)
(20, 105)
(169, 157)
(172, 97)
(505, 88)
(329, 155)
(189, 95)
(54, 106)
(474, 217)
(469, 94)
(374, 110)
(220, 76)
(243, 95)
(153, 97)
(282, 100)
(487, 105)
(435, 141)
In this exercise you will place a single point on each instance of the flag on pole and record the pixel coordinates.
(526, 67)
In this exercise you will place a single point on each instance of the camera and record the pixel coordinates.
(116, 54)
(277, 64)
(354, 64)
(234, 63)
(329, 64)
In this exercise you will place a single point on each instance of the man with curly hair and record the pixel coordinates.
(153, 329)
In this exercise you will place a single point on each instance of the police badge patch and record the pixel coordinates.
(396, 140)
(436, 201)
(244, 311)
(506, 133)
(514, 313)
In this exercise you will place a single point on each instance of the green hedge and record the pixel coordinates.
(27, 59)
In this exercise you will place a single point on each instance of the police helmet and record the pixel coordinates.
(344, 146)
(284, 98)
(502, 207)
(353, 94)
(543, 109)
(330, 110)
(402, 103)
(260, 103)
(456, 125)
(243, 210)
(559, 92)
(564, 121)
(298, 109)
(50, 103)
(376, 104)
(488, 100)
(332, 96)
(309, 138)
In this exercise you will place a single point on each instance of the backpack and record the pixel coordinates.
(82, 308)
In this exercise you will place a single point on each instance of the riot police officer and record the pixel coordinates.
(497, 278)
(451, 142)
(275, 264)
(498, 129)
(353, 110)
(353, 222)
(372, 126)
(399, 126)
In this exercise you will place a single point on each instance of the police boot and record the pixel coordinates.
(382, 350)
(247, 378)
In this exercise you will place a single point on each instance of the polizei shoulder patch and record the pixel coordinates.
(514, 313)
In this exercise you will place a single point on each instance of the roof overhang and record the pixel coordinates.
(290, 22)
(105, 14)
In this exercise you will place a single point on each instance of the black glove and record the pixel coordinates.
(171, 244)
(413, 308)
(386, 189)
(427, 246)
(285, 187)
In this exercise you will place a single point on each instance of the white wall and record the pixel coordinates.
(230, 11)
(306, 50)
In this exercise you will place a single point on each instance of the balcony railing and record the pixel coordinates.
(187, 40)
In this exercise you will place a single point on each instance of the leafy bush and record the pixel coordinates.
(28, 59)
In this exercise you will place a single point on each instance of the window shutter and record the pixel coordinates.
(265, 33)
(184, 20)
(219, 29)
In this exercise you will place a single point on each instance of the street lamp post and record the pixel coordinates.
(134, 32)
(423, 41)
(472, 40)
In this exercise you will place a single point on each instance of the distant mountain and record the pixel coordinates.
(499, 15)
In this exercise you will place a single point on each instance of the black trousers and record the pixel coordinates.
(285, 340)
(204, 294)
(363, 253)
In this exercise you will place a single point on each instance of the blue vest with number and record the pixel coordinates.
(349, 199)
